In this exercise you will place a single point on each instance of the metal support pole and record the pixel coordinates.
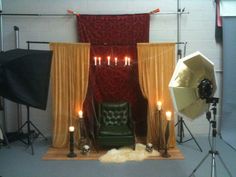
(180, 122)
(1, 27)
(18, 106)
(179, 55)
(1, 32)
(1, 98)
(39, 15)
(17, 37)
(178, 24)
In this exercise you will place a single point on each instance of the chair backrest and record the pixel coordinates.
(114, 114)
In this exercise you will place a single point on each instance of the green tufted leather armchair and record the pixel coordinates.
(115, 126)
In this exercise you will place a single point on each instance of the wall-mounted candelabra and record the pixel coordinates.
(111, 61)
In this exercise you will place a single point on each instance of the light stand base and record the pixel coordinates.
(30, 133)
(181, 124)
(213, 152)
(213, 164)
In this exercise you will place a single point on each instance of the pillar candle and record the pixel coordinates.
(71, 129)
(159, 104)
(108, 60)
(80, 114)
(128, 61)
(115, 60)
(95, 61)
(99, 60)
(168, 116)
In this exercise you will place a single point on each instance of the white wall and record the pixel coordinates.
(197, 30)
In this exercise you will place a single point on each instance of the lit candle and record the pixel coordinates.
(108, 60)
(95, 61)
(159, 104)
(71, 129)
(80, 114)
(128, 61)
(168, 116)
(115, 60)
(99, 60)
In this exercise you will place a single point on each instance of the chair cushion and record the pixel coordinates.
(115, 114)
(115, 130)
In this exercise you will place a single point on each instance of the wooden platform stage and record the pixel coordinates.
(61, 154)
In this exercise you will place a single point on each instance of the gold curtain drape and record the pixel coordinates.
(70, 72)
(156, 64)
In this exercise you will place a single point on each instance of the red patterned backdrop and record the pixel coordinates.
(115, 36)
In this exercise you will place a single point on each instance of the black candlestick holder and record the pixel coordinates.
(83, 134)
(160, 141)
(71, 154)
(167, 135)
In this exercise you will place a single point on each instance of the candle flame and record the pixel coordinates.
(168, 115)
(159, 105)
(80, 114)
(71, 129)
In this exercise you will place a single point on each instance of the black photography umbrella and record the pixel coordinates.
(24, 79)
(24, 76)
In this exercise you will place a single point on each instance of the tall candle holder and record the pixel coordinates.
(160, 141)
(82, 131)
(167, 135)
(71, 152)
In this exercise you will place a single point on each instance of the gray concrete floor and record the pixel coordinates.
(17, 161)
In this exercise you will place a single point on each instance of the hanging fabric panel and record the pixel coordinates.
(113, 29)
(70, 73)
(115, 36)
(156, 64)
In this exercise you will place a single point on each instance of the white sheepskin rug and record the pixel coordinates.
(127, 154)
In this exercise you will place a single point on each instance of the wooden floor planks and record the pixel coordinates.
(61, 154)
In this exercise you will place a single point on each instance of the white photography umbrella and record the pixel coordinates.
(193, 81)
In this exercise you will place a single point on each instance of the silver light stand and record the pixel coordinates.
(213, 152)
(18, 106)
(1, 27)
(180, 123)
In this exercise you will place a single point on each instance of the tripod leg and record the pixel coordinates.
(177, 123)
(201, 162)
(223, 163)
(20, 129)
(192, 136)
(180, 129)
(213, 165)
(38, 130)
(30, 143)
